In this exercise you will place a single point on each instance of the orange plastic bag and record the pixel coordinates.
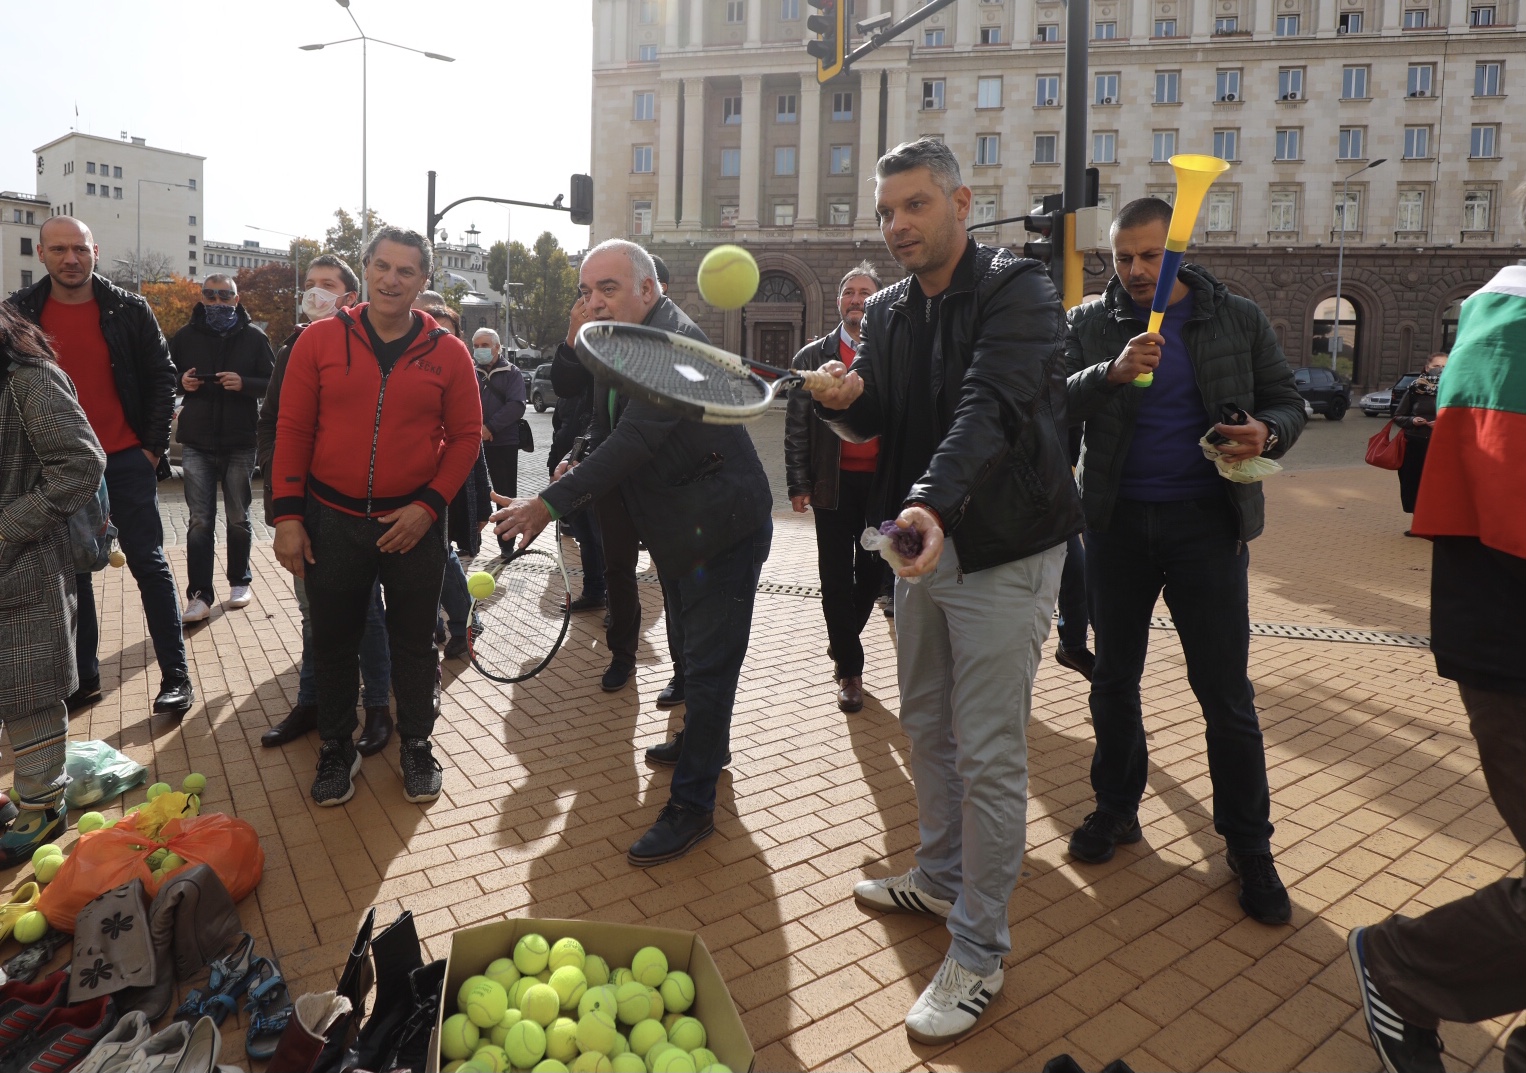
(106, 859)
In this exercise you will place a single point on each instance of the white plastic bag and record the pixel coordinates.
(874, 540)
(1245, 471)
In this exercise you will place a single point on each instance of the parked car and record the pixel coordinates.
(1324, 390)
(1397, 392)
(1377, 403)
(542, 394)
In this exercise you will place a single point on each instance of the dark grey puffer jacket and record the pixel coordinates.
(1237, 360)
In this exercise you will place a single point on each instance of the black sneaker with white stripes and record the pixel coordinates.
(952, 1003)
(900, 893)
(1403, 1047)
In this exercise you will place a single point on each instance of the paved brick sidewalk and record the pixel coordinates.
(1377, 797)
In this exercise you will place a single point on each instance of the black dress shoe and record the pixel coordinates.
(377, 732)
(302, 721)
(588, 602)
(676, 832)
(615, 678)
(89, 692)
(175, 698)
(672, 694)
(457, 648)
(667, 753)
(1081, 660)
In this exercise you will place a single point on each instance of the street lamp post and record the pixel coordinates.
(138, 256)
(296, 267)
(365, 204)
(1340, 260)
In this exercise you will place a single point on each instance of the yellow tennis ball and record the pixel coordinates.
(525, 1044)
(703, 1056)
(645, 1035)
(628, 1062)
(621, 1046)
(116, 558)
(486, 1004)
(48, 850)
(510, 1018)
(517, 992)
(686, 1033)
(550, 1065)
(503, 973)
(590, 1062)
(567, 952)
(655, 1007)
(158, 788)
(90, 821)
(673, 1060)
(620, 976)
(481, 585)
(48, 867)
(562, 1039)
(531, 954)
(632, 1005)
(677, 993)
(715, 1067)
(31, 927)
(540, 1004)
(458, 1037)
(488, 1053)
(596, 1032)
(600, 998)
(650, 966)
(465, 990)
(543, 977)
(728, 278)
(596, 970)
(569, 984)
(194, 783)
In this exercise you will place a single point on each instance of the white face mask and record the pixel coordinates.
(484, 355)
(319, 304)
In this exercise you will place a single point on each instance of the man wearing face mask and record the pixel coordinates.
(224, 365)
(330, 285)
(503, 404)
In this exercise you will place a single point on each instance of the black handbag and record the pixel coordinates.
(526, 437)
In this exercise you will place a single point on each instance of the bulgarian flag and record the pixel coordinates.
(1475, 470)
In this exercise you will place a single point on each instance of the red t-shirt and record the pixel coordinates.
(75, 331)
(856, 457)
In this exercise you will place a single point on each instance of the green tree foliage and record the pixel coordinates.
(497, 265)
(344, 237)
(550, 287)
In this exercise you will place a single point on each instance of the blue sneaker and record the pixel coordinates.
(32, 828)
(1403, 1047)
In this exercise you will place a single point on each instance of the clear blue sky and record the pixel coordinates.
(280, 128)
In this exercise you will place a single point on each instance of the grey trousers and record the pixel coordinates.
(38, 740)
(968, 647)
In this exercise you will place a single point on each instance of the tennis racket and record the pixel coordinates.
(517, 629)
(684, 376)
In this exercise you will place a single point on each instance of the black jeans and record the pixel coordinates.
(134, 491)
(1192, 551)
(1411, 470)
(1073, 615)
(714, 608)
(617, 534)
(584, 528)
(850, 574)
(503, 475)
(339, 583)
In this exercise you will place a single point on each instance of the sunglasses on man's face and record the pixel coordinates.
(218, 296)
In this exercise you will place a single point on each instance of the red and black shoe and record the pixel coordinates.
(24, 1006)
(63, 1038)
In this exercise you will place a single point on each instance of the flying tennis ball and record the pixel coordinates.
(158, 788)
(490, 1054)
(90, 821)
(531, 954)
(596, 969)
(540, 1004)
(562, 1039)
(31, 927)
(49, 850)
(728, 278)
(510, 1018)
(645, 1035)
(703, 1057)
(525, 1044)
(650, 966)
(687, 1033)
(628, 1062)
(620, 976)
(599, 998)
(48, 867)
(591, 1062)
(481, 585)
(466, 989)
(458, 1037)
(194, 783)
(596, 1032)
(486, 1004)
(550, 1065)
(566, 952)
(503, 973)
(677, 993)
(632, 1005)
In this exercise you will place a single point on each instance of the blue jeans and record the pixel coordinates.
(1072, 627)
(134, 490)
(375, 659)
(714, 606)
(204, 471)
(1191, 551)
(454, 597)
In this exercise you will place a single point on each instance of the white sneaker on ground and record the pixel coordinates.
(196, 611)
(952, 1003)
(239, 596)
(900, 893)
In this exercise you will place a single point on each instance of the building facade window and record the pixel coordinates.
(787, 109)
(1162, 146)
(1105, 147)
(932, 38)
(191, 183)
(641, 217)
(1226, 144)
(736, 11)
(192, 221)
(1477, 208)
(1350, 23)
(731, 163)
(1044, 147)
(988, 92)
(26, 247)
(1348, 214)
(1486, 79)
(645, 107)
(990, 35)
(1221, 210)
(784, 214)
(842, 160)
(1168, 87)
(729, 215)
(1351, 144)
(842, 106)
(1282, 210)
(789, 10)
(1289, 143)
(1483, 144)
(116, 172)
(840, 214)
(731, 111)
(983, 211)
(90, 188)
(26, 279)
(1411, 214)
(1105, 31)
(987, 150)
(1481, 16)
(1049, 32)
(646, 54)
(641, 160)
(933, 94)
(648, 14)
(1287, 25)
(784, 160)
(1046, 91)
(1290, 83)
(116, 193)
(1105, 87)
(1417, 18)
(1417, 143)
(1229, 24)
(89, 167)
(1227, 84)
(1165, 28)
(1354, 83)
(1421, 77)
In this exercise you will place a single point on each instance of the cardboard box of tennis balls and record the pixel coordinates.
(472, 950)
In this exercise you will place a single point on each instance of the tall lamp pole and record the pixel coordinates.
(138, 256)
(296, 266)
(365, 204)
(1340, 260)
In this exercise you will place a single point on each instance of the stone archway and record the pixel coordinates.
(1368, 342)
(774, 321)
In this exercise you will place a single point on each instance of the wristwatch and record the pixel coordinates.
(1272, 439)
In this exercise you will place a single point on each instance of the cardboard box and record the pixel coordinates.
(473, 949)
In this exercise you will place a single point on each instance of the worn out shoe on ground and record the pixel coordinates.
(951, 1004)
(1403, 1047)
(900, 894)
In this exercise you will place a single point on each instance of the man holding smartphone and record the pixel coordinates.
(224, 364)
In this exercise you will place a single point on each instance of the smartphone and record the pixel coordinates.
(1228, 415)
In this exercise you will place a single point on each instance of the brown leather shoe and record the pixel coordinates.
(303, 720)
(850, 697)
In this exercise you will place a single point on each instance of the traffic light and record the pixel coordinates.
(1049, 223)
(831, 28)
(582, 199)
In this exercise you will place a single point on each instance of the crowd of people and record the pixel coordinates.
(965, 405)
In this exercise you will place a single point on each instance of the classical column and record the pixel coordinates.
(1202, 19)
(1327, 17)
(1143, 21)
(868, 105)
(694, 154)
(670, 21)
(896, 130)
(752, 153)
(755, 22)
(696, 23)
(808, 113)
(1392, 24)
(668, 163)
(1263, 14)
(966, 15)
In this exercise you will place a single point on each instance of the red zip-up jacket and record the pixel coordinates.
(367, 443)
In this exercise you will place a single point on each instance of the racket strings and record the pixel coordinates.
(678, 373)
(520, 626)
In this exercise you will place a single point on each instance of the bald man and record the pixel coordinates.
(109, 343)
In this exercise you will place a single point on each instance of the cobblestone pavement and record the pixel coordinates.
(1377, 796)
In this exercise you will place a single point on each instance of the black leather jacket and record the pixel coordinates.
(812, 451)
(1000, 478)
(140, 358)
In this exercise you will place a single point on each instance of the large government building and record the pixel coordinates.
(709, 126)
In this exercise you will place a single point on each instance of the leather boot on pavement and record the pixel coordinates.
(377, 732)
(302, 721)
(313, 1018)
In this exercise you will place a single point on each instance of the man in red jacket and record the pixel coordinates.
(380, 424)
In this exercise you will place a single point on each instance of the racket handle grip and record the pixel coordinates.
(816, 380)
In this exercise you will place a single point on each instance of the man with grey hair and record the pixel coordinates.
(833, 478)
(503, 404)
(961, 374)
(698, 496)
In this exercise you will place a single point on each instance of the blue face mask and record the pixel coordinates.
(221, 318)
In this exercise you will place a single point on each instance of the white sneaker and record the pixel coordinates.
(239, 596)
(900, 893)
(196, 611)
(952, 1003)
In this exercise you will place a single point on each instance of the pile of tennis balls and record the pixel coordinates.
(555, 1008)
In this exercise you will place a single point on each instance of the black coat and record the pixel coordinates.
(211, 417)
(140, 358)
(812, 451)
(1000, 478)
